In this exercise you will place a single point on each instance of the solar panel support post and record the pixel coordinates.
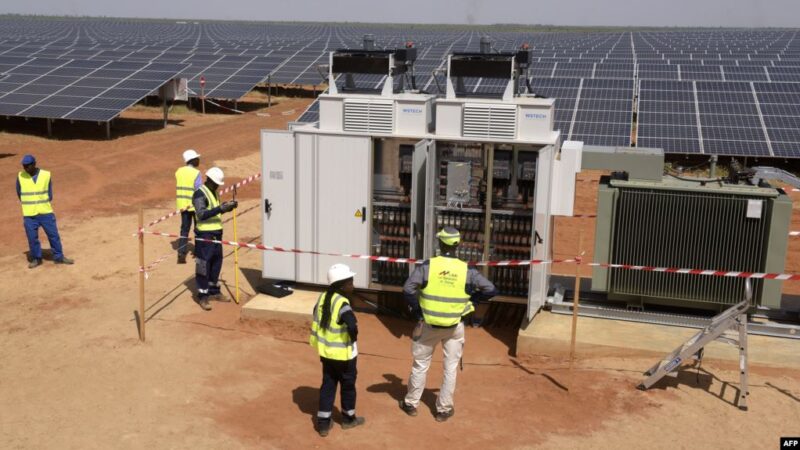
(712, 170)
(164, 104)
(269, 91)
(108, 130)
(49, 127)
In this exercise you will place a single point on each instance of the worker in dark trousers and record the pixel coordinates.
(208, 225)
(333, 334)
(187, 180)
(35, 194)
(447, 289)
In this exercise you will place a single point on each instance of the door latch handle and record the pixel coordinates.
(267, 207)
(363, 214)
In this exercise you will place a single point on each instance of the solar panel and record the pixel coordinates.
(667, 117)
(603, 115)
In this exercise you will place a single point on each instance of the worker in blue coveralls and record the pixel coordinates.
(208, 227)
(35, 193)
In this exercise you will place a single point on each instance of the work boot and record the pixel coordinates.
(323, 428)
(181, 259)
(443, 416)
(352, 422)
(64, 260)
(203, 302)
(220, 298)
(408, 409)
(34, 263)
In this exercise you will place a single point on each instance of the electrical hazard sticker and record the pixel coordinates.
(359, 214)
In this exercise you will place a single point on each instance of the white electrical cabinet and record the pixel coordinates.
(375, 177)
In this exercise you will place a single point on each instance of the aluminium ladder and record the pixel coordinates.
(732, 319)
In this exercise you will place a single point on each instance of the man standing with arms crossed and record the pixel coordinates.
(187, 180)
(447, 289)
(35, 194)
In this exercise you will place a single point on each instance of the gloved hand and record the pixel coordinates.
(228, 206)
(416, 312)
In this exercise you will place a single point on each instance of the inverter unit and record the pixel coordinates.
(685, 224)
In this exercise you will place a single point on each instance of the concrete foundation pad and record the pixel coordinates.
(549, 335)
(296, 307)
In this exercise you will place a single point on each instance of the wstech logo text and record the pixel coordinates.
(790, 442)
(535, 116)
(412, 110)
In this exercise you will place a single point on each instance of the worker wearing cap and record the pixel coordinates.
(333, 334)
(187, 180)
(208, 226)
(35, 193)
(447, 288)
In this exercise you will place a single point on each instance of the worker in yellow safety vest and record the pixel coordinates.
(333, 335)
(35, 194)
(447, 288)
(187, 180)
(208, 227)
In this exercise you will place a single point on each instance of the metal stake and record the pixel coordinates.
(576, 300)
(141, 274)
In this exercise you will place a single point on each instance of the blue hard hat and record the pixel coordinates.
(28, 159)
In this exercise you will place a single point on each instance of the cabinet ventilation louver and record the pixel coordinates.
(490, 121)
(368, 116)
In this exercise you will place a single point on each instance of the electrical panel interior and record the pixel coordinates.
(486, 191)
(391, 210)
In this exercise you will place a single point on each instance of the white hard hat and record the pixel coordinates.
(216, 175)
(189, 155)
(339, 272)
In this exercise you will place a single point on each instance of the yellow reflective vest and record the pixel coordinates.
(184, 187)
(35, 196)
(213, 223)
(444, 300)
(332, 342)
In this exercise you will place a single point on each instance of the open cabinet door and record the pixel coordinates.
(431, 194)
(419, 177)
(343, 200)
(278, 195)
(542, 229)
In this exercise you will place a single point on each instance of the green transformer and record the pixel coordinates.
(686, 224)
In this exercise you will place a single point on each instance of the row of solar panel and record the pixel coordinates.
(75, 89)
(749, 119)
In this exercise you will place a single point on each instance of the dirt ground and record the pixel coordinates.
(73, 373)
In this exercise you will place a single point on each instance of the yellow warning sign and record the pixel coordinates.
(358, 214)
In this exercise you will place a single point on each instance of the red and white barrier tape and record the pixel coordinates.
(152, 266)
(357, 256)
(513, 262)
(244, 182)
(794, 233)
(165, 217)
(715, 273)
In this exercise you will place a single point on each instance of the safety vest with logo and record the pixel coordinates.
(213, 223)
(35, 196)
(444, 299)
(184, 181)
(333, 341)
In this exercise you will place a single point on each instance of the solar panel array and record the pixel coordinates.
(727, 92)
(76, 89)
